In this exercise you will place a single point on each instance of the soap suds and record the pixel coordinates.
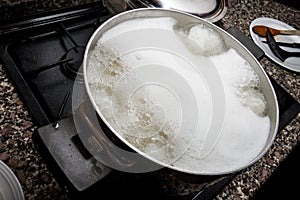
(139, 119)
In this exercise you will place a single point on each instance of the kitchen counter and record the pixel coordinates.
(16, 125)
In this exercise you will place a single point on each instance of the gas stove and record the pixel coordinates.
(42, 55)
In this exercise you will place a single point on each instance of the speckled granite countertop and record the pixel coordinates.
(16, 126)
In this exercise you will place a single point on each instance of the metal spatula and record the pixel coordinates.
(279, 52)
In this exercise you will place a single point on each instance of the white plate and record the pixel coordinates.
(292, 63)
(10, 188)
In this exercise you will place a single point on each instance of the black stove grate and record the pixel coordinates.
(43, 53)
(36, 52)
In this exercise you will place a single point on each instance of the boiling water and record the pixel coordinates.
(162, 87)
(246, 123)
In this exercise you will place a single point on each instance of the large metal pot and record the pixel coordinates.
(158, 84)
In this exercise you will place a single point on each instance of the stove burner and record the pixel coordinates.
(71, 68)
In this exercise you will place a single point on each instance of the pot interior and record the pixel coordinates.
(180, 91)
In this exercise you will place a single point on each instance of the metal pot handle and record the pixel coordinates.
(99, 144)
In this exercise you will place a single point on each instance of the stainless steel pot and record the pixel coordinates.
(166, 70)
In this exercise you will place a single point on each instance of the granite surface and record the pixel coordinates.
(16, 126)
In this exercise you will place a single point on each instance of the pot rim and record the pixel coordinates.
(133, 14)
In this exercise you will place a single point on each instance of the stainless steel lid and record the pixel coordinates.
(211, 10)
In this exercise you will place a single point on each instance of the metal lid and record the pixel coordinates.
(211, 10)
(10, 188)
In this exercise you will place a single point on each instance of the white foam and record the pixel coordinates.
(246, 126)
(209, 41)
(148, 115)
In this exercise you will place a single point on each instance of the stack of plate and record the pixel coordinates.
(10, 188)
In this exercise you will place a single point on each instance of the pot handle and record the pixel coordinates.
(95, 140)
